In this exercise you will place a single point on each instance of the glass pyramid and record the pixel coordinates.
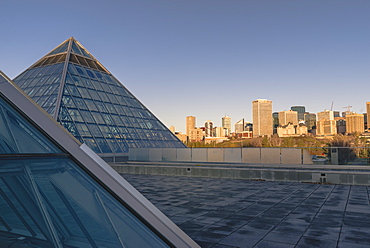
(56, 193)
(83, 96)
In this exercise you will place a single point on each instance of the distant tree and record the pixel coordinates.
(276, 141)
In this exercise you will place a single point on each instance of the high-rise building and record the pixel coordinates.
(226, 124)
(196, 134)
(355, 123)
(326, 127)
(56, 192)
(262, 117)
(368, 114)
(275, 121)
(301, 110)
(341, 124)
(248, 126)
(208, 128)
(219, 132)
(365, 120)
(289, 116)
(326, 114)
(326, 124)
(239, 126)
(71, 85)
(310, 121)
(190, 124)
(336, 114)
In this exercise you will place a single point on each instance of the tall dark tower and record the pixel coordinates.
(301, 110)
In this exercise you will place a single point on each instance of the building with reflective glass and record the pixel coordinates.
(84, 97)
(55, 192)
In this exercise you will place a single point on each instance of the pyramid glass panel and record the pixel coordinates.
(49, 198)
(60, 49)
(80, 90)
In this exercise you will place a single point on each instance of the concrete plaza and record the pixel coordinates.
(244, 213)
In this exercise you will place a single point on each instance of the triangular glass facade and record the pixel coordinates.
(74, 88)
(49, 198)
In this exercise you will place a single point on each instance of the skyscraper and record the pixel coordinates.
(226, 124)
(239, 126)
(86, 99)
(326, 114)
(208, 128)
(289, 116)
(355, 123)
(219, 132)
(190, 124)
(368, 115)
(325, 124)
(301, 110)
(262, 117)
(275, 121)
(310, 120)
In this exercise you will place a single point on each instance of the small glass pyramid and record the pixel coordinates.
(55, 192)
(83, 96)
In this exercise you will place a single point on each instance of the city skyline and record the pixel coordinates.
(208, 58)
(200, 123)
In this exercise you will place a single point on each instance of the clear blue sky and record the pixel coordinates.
(207, 58)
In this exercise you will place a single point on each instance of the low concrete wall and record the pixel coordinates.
(222, 155)
(309, 175)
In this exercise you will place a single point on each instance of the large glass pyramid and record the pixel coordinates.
(81, 94)
(55, 192)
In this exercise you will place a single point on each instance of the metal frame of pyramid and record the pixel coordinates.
(56, 192)
(84, 97)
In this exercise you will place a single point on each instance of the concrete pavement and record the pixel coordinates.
(244, 213)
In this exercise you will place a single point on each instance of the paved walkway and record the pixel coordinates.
(224, 213)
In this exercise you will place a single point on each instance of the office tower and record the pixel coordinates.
(325, 124)
(341, 124)
(301, 110)
(190, 124)
(248, 126)
(326, 127)
(275, 120)
(87, 100)
(208, 126)
(219, 132)
(310, 120)
(336, 114)
(326, 114)
(196, 135)
(368, 114)
(345, 113)
(365, 120)
(355, 123)
(239, 126)
(226, 124)
(262, 117)
(289, 116)
(56, 192)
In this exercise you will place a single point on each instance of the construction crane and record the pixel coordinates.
(348, 108)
